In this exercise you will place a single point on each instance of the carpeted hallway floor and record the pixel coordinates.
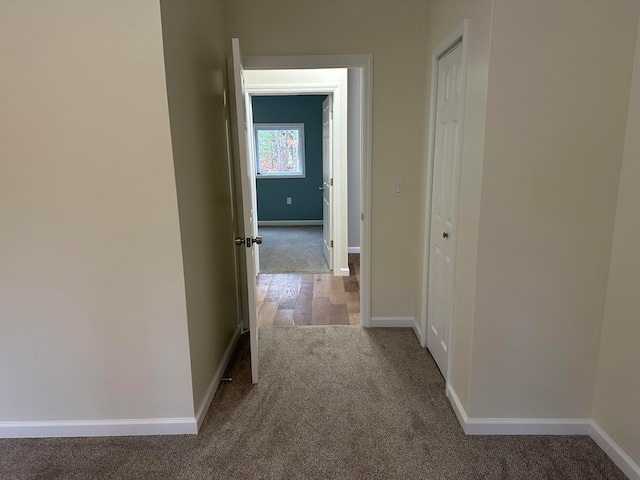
(333, 402)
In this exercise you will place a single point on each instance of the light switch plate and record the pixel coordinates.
(398, 189)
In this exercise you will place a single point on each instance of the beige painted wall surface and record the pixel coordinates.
(443, 17)
(92, 305)
(556, 116)
(618, 383)
(395, 33)
(194, 46)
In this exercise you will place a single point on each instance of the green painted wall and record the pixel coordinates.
(272, 193)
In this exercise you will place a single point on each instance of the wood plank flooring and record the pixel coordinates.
(288, 299)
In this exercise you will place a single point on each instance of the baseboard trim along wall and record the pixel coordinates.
(99, 428)
(545, 426)
(122, 427)
(615, 453)
(516, 426)
(217, 378)
(397, 322)
(288, 223)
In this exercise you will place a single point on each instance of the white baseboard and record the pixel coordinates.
(403, 322)
(99, 428)
(545, 426)
(353, 250)
(217, 377)
(615, 453)
(288, 223)
(417, 330)
(392, 322)
(122, 427)
(342, 272)
(517, 426)
(457, 407)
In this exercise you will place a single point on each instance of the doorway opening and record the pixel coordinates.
(293, 214)
(309, 259)
(246, 237)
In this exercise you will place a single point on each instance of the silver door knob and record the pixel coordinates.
(248, 242)
(321, 189)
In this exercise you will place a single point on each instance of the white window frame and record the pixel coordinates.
(301, 147)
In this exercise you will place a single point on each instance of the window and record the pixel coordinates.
(279, 150)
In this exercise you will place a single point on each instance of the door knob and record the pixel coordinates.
(321, 189)
(248, 242)
(445, 235)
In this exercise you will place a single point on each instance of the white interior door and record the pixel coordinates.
(444, 205)
(251, 165)
(248, 238)
(327, 183)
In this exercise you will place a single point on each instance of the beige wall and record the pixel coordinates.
(443, 17)
(194, 46)
(618, 383)
(92, 306)
(395, 33)
(559, 80)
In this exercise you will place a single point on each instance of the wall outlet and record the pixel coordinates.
(288, 200)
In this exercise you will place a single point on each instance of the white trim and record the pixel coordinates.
(288, 223)
(384, 322)
(364, 62)
(516, 426)
(416, 329)
(459, 34)
(457, 407)
(545, 426)
(353, 250)
(99, 428)
(527, 426)
(217, 377)
(615, 453)
(292, 89)
(396, 322)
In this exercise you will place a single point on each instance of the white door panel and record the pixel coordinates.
(444, 205)
(327, 187)
(242, 148)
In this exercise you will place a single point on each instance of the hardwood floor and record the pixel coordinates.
(288, 299)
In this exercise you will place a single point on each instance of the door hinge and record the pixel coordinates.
(330, 114)
(331, 243)
(331, 182)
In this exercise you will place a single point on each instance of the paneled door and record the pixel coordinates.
(444, 204)
(327, 181)
(248, 238)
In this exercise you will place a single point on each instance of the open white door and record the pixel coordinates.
(251, 165)
(444, 204)
(327, 182)
(248, 238)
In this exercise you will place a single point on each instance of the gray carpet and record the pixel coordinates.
(292, 250)
(333, 402)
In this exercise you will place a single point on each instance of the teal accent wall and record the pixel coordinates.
(272, 193)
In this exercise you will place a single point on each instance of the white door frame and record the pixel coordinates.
(459, 35)
(365, 63)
